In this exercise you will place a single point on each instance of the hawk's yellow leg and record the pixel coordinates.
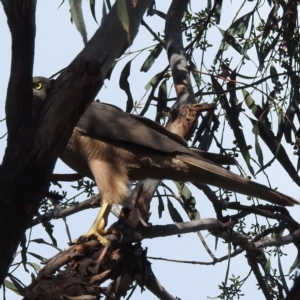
(97, 230)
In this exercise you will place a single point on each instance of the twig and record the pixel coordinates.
(212, 263)
(92, 202)
(162, 42)
(66, 177)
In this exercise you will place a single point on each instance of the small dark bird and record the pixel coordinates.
(113, 147)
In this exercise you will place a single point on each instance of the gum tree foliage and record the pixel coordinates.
(249, 67)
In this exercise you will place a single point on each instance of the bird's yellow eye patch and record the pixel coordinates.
(38, 85)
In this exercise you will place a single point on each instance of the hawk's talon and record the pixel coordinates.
(91, 236)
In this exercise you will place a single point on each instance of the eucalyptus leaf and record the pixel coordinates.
(18, 284)
(258, 150)
(189, 202)
(125, 86)
(218, 11)
(77, 17)
(282, 277)
(175, 216)
(240, 26)
(35, 266)
(274, 74)
(267, 270)
(195, 74)
(295, 263)
(124, 17)
(92, 6)
(154, 53)
(152, 81)
(11, 286)
(161, 206)
(41, 241)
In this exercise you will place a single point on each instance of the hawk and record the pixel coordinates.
(113, 147)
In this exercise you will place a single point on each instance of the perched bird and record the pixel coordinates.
(113, 147)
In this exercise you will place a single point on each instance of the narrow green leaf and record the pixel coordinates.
(251, 104)
(295, 263)
(267, 135)
(18, 284)
(240, 26)
(282, 275)
(228, 264)
(265, 50)
(104, 11)
(154, 53)
(11, 286)
(35, 266)
(41, 241)
(258, 150)
(189, 202)
(218, 11)
(152, 81)
(125, 86)
(108, 4)
(267, 270)
(124, 17)
(49, 229)
(208, 4)
(63, 1)
(41, 258)
(92, 6)
(195, 75)
(274, 74)
(77, 17)
(161, 206)
(216, 242)
(232, 116)
(175, 216)
(228, 39)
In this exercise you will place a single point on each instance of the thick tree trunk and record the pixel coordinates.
(35, 145)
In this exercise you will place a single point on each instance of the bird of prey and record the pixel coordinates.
(113, 147)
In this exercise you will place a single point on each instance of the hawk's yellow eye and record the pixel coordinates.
(38, 85)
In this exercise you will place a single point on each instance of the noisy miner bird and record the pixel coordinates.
(113, 147)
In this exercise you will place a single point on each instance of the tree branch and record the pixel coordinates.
(254, 266)
(21, 21)
(29, 160)
(176, 53)
(93, 202)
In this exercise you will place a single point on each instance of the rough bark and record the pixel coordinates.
(21, 21)
(34, 147)
(183, 126)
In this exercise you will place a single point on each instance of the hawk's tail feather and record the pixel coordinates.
(220, 177)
